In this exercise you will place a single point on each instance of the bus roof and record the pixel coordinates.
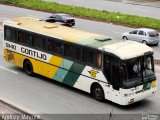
(122, 49)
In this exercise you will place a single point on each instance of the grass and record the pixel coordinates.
(100, 15)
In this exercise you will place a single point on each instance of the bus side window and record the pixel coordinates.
(40, 42)
(43, 45)
(59, 48)
(21, 37)
(98, 59)
(77, 53)
(14, 35)
(68, 50)
(8, 33)
(90, 56)
(84, 55)
(28, 39)
(36, 41)
(51, 45)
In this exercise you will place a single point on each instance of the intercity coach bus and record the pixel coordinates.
(108, 68)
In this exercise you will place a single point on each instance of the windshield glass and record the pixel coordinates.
(133, 71)
(153, 34)
(137, 70)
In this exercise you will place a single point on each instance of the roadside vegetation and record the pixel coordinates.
(100, 15)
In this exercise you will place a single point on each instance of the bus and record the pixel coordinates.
(107, 68)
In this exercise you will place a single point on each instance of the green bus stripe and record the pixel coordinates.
(61, 73)
(72, 77)
(78, 68)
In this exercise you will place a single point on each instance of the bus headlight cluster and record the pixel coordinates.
(131, 101)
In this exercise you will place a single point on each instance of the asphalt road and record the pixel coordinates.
(41, 95)
(146, 11)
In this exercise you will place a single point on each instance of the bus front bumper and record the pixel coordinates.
(126, 100)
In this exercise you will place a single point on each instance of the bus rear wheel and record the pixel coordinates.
(97, 92)
(28, 68)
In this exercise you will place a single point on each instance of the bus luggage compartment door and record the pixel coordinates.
(9, 56)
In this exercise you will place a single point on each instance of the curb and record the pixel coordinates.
(157, 61)
(13, 107)
(22, 111)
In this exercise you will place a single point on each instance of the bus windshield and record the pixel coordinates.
(138, 70)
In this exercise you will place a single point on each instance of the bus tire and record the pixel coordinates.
(97, 92)
(28, 68)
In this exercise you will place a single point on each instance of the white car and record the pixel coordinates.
(143, 35)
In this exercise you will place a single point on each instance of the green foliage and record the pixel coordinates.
(114, 17)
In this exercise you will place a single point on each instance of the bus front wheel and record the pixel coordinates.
(28, 68)
(97, 92)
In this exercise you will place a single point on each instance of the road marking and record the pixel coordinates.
(8, 70)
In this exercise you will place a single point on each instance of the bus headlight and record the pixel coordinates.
(131, 101)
